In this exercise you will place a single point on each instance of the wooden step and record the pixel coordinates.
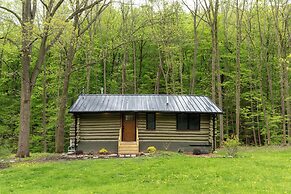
(128, 148)
(128, 143)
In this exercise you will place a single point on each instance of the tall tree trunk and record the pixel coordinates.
(157, 85)
(104, 72)
(88, 55)
(141, 45)
(288, 107)
(181, 64)
(25, 106)
(220, 103)
(60, 129)
(258, 123)
(237, 93)
(159, 69)
(88, 70)
(213, 65)
(260, 76)
(216, 69)
(238, 45)
(123, 84)
(282, 92)
(134, 67)
(25, 103)
(287, 101)
(44, 104)
(60, 132)
(252, 112)
(195, 51)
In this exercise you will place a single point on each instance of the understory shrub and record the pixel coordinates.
(231, 145)
(103, 151)
(151, 149)
(4, 154)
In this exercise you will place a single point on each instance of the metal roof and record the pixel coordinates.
(90, 103)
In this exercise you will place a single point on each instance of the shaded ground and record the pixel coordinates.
(260, 170)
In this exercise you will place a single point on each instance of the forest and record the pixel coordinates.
(237, 52)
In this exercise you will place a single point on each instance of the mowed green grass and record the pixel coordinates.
(256, 170)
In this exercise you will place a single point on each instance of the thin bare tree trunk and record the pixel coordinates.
(252, 112)
(195, 53)
(238, 44)
(288, 109)
(157, 85)
(104, 72)
(88, 56)
(123, 84)
(159, 69)
(260, 76)
(194, 13)
(282, 92)
(142, 43)
(213, 66)
(134, 67)
(258, 125)
(88, 72)
(181, 72)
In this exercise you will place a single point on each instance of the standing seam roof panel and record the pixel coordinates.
(194, 106)
(207, 105)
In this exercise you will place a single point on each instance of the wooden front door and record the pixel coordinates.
(128, 127)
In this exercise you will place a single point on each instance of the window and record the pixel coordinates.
(188, 121)
(129, 117)
(151, 121)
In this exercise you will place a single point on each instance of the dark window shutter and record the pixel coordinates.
(182, 121)
(194, 122)
(151, 121)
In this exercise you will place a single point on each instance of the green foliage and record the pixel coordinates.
(103, 151)
(151, 149)
(231, 145)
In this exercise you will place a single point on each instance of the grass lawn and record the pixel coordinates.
(256, 170)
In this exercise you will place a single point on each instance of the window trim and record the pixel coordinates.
(188, 116)
(155, 121)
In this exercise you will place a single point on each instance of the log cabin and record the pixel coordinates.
(129, 124)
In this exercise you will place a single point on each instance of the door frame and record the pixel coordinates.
(122, 120)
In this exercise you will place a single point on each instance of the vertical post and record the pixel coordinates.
(213, 130)
(76, 123)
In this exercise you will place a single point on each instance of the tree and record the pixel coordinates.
(77, 31)
(28, 79)
(239, 16)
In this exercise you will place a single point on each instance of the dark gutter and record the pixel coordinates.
(213, 130)
(75, 142)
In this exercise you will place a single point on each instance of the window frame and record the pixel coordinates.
(188, 116)
(154, 121)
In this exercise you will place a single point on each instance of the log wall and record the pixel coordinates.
(166, 129)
